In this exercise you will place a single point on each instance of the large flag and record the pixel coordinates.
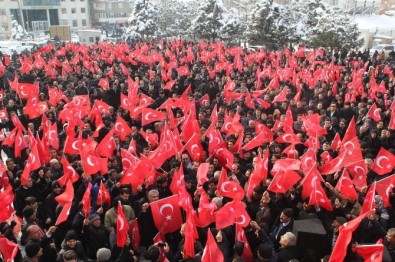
(86, 200)
(384, 162)
(8, 249)
(67, 196)
(167, 214)
(371, 253)
(211, 251)
(122, 226)
(64, 214)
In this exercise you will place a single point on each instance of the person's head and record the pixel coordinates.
(33, 232)
(153, 195)
(71, 239)
(153, 253)
(338, 221)
(286, 215)
(264, 252)
(391, 236)
(70, 256)
(31, 202)
(33, 250)
(103, 254)
(288, 239)
(124, 194)
(29, 213)
(94, 220)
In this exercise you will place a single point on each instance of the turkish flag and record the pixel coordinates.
(205, 214)
(334, 165)
(308, 160)
(345, 234)
(26, 90)
(64, 214)
(86, 200)
(336, 142)
(167, 214)
(214, 138)
(169, 85)
(127, 103)
(384, 187)
(52, 136)
(346, 187)
(20, 143)
(259, 173)
(265, 136)
(242, 218)
(8, 249)
(283, 181)
(351, 131)
(177, 182)
(225, 216)
(107, 146)
(312, 125)
(145, 100)
(353, 152)
(128, 160)
(369, 203)
(43, 151)
(384, 162)
(202, 173)
(34, 158)
(104, 83)
(68, 173)
(183, 71)
(211, 251)
(228, 188)
(121, 128)
(6, 200)
(72, 145)
(67, 196)
(262, 103)
(134, 234)
(318, 197)
(241, 237)
(93, 164)
(286, 164)
(122, 226)
(103, 196)
(191, 235)
(374, 113)
(204, 99)
(35, 110)
(371, 253)
(3, 114)
(308, 182)
(282, 96)
(149, 115)
(288, 138)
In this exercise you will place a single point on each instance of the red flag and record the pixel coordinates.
(128, 160)
(103, 196)
(3, 114)
(265, 136)
(202, 173)
(68, 173)
(336, 142)
(107, 146)
(167, 214)
(134, 234)
(286, 164)
(258, 174)
(53, 138)
(345, 233)
(178, 182)
(351, 131)
(371, 253)
(308, 160)
(334, 165)
(369, 203)
(384, 162)
(308, 183)
(241, 237)
(8, 249)
(190, 234)
(283, 181)
(93, 164)
(64, 214)
(104, 83)
(67, 196)
(318, 197)
(86, 200)
(211, 251)
(228, 188)
(204, 99)
(20, 143)
(121, 128)
(122, 226)
(183, 71)
(149, 115)
(282, 96)
(6, 200)
(384, 187)
(346, 187)
(374, 113)
(34, 158)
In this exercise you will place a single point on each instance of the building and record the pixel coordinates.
(106, 13)
(75, 13)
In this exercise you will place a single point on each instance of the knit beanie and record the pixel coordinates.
(103, 254)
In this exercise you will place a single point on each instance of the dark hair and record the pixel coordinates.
(153, 253)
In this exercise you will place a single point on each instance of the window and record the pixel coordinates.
(91, 39)
(75, 24)
(73, 10)
(120, 5)
(2, 12)
(83, 10)
(109, 5)
(64, 11)
(83, 22)
(64, 22)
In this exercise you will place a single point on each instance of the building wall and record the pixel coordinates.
(111, 12)
(75, 13)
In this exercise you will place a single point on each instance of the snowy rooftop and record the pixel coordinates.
(373, 22)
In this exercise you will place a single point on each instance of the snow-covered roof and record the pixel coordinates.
(375, 22)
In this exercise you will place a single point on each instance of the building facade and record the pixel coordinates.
(75, 13)
(105, 12)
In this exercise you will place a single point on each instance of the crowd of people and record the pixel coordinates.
(94, 136)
